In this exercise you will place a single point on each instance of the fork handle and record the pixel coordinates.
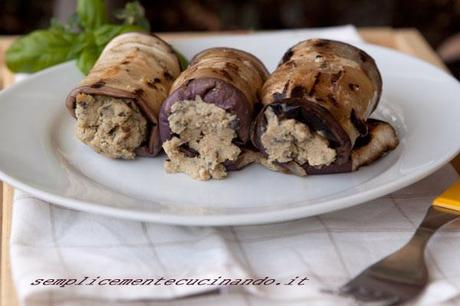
(434, 219)
(408, 263)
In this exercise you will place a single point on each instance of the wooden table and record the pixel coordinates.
(406, 40)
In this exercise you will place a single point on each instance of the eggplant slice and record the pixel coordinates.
(117, 105)
(316, 109)
(205, 121)
(381, 138)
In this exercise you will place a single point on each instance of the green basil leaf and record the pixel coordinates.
(105, 33)
(41, 49)
(86, 39)
(92, 13)
(87, 59)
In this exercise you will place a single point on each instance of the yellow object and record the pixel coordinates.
(450, 198)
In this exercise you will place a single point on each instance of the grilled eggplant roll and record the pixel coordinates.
(316, 106)
(205, 121)
(118, 103)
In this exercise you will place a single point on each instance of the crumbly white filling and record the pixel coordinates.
(205, 130)
(289, 140)
(111, 126)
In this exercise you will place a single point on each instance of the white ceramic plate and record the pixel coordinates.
(40, 155)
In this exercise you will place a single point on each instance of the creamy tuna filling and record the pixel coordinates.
(288, 140)
(111, 126)
(202, 140)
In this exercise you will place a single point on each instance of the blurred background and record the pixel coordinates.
(437, 20)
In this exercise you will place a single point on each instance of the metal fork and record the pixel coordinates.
(402, 275)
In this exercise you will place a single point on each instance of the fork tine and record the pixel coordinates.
(370, 295)
(368, 287)
(352, 292)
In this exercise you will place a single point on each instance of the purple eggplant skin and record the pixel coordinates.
(380, 139)
(340, 77)
(152, 145)
(214, 91)
(328, 85)
(135, 72)
(228, 78)
(317, 118)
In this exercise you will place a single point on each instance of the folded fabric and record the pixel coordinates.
(69, 258)
(49, 242)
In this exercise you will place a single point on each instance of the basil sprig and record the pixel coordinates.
(92, 14)
(82, 38)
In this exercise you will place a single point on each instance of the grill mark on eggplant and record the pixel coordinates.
(298, 91)
(290, 64)
(232, 66)
(336, 77)
(311, 92)
(138, 92)
(363, 56)
(287, 56)
(332, 99)
(168, 76)
(362, 141)
(98, 84)
(359, 124)
(321, 43)
(226, 75)
(285, 88)
(152, 83)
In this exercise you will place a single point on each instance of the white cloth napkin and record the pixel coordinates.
(50, 243)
